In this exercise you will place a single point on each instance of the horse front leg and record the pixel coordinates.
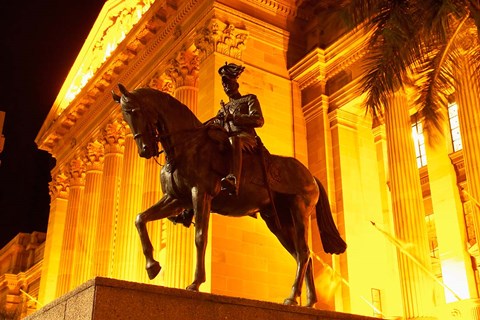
(201, 205)
(166, 207)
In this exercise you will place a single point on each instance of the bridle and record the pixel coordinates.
(159, 137)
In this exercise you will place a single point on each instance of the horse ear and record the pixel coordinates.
(123, 90)
(116, 97)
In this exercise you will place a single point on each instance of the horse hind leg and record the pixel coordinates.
(310, 284)
(293, 237)
(300, 212)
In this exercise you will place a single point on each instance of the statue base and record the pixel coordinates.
(110, 299)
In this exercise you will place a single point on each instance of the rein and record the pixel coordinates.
(159, 137)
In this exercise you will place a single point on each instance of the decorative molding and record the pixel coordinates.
(315, 108)
(154, 21)
(310, 70)
(218, 36)
(94, 156)
(275, 7)
(76, 172)
(320, 65)
(183, 69)
(58, 187)
(114, 137)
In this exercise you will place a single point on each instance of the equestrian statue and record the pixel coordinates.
(221, 166)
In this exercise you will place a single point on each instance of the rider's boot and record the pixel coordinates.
(231, 183)
(185, 218)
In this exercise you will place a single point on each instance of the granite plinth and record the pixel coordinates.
(110, 299)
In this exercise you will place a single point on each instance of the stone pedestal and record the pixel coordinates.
(106, 299)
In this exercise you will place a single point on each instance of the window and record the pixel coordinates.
(419, 141)
(455, 127)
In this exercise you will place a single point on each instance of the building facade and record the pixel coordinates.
(20, 271)
(406, 208)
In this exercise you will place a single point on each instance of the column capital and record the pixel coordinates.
(183, 69)
(76, 172)
(94, 155)
(218, 36)
(162, 82)
(114, 137)
(58, 187)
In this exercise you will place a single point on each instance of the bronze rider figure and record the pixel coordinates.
(239, 116)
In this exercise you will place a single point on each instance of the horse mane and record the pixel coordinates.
(152, 101)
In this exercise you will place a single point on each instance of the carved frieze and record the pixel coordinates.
(221, 37)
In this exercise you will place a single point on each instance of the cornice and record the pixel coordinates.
(276, 7)
(316, 108)
(320, 65)
(155, 22)
(258, 29)
(347, 50)
(311, 69)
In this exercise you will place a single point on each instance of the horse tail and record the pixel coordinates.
(331, 240)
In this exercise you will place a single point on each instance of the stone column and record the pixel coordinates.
(113, 140)
(76, 175)
(54, 240)
(456, 266)
(181, 241)
(467, 96)
(126, 243)
(386, 222)
(320, 160)
(88, 216)
(408, 210)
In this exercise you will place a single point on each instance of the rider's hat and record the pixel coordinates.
(231, 70)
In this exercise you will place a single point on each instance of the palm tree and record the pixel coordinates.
(424, 38)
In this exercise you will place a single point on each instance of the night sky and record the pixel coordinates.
(40, 40)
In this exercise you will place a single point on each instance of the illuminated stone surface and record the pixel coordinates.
(109, 299)
(309, 95)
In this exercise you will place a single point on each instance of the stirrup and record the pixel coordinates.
(229, 184)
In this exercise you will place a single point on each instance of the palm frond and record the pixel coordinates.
(391, 48)
(437, 77)
(474, 6)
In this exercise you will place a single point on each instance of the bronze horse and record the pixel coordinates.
(191, 180)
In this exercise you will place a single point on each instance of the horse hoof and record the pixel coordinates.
(290, 302)
(311, 304)
(192, 287)
(153, 270)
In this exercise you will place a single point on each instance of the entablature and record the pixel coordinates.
(144, 53)
(321, 65)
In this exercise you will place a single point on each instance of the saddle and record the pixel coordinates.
(277, 168)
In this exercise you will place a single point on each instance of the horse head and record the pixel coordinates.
(140, 121)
